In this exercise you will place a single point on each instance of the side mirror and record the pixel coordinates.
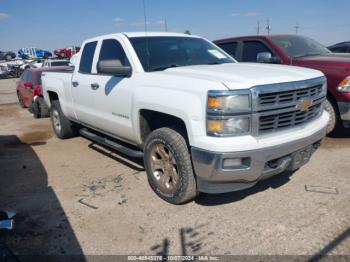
(28, 84)
(266, 57)
(113, 67)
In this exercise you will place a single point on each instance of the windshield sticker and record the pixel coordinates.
(217, 54)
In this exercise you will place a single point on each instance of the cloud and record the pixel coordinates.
(118, 21)
(160, 22)
(4, 16)
(140, 23)
(251, 14)
(248, 14)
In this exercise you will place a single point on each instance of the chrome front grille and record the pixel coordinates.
(278, 121)
(277, 107)
(289, 96)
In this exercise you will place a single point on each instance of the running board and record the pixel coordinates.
(109, 143)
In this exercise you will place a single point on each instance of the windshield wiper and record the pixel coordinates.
(160, 68)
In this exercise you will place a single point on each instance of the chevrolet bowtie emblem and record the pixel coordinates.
(304, 104)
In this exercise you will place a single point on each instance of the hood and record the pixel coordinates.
(334, 61)
(244, 75)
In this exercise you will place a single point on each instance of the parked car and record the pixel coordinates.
(201, 121)
(7, 55)
(29, 90)
(343, 47)
(33, 52)
(50, 63)
(8, 70)
(36, 63)
(67, 52)
(300, 51)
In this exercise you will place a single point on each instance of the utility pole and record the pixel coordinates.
(165, 25)
(296, 28)
(258, 28)
(268, 26)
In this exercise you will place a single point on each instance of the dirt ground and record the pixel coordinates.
(75, 197)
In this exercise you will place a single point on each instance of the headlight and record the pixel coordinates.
(344, 86)
(228, 102)
(231, 126)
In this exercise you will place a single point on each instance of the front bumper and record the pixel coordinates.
(212, 177)
(344, 110)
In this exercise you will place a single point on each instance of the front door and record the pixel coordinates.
(112, 95)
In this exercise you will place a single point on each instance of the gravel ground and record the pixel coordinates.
(75, 197)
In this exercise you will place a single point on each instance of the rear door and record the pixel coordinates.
(82, 79)
(112, 95)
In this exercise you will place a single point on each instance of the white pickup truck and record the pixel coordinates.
(201, 121)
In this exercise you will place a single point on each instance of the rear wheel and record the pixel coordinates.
(39, 108)
(20, 99)
(8, 57)
(168, 164)
(62, 127)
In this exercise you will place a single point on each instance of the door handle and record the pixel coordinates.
(75, 83)
(94, 86)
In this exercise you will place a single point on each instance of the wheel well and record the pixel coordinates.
(151, 120)
(332, 99)
(53, 96)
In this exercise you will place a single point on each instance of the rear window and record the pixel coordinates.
(87, 57)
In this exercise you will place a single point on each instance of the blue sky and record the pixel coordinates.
(53, 24)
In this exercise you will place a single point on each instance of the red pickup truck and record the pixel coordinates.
(300, 51)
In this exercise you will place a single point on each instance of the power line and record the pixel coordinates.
(165, 25)
(268, 26)
(296, 27)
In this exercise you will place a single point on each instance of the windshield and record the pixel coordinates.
(298, 46)
(160, 53)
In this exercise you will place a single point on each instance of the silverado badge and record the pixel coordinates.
(304, 104)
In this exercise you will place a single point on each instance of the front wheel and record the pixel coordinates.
(168, 165)
(333, 117)
(62, 127)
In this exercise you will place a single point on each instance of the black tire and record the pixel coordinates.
(39, 108)
(8, 57)
(61, 125)
(20, 100)
(334, 121)
(184, 189)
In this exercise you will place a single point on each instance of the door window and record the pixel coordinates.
(87, 57)
(229, 48)
(112, 49)
(251, 50)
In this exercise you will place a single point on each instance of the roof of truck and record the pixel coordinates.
(141, 34)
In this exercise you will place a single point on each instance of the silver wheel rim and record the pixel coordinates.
(56, 121)
(164, 168)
